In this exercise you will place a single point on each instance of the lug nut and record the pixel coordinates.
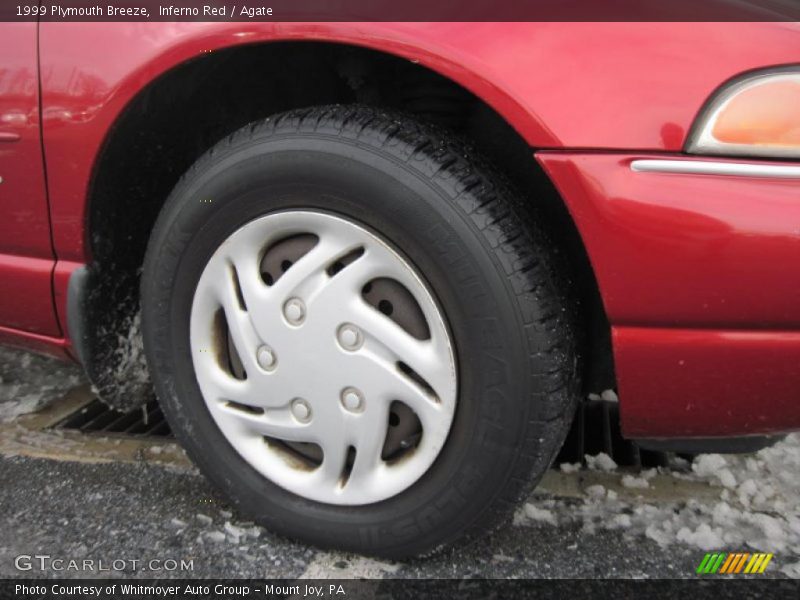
(301, 410)
(350, 337)
(352, 399)
(295, 311)
(266, 358)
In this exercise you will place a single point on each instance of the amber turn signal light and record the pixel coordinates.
(757, 116)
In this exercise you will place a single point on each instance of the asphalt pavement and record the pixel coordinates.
(130, 512)
(144, 519)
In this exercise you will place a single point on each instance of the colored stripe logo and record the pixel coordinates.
(724, 563)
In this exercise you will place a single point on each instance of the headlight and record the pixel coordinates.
(758, 115)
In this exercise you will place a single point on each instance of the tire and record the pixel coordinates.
(490, 273)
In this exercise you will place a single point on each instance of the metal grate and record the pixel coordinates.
(147, 421)
(596, 429)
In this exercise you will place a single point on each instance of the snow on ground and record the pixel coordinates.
(758, 506)
(29, 382)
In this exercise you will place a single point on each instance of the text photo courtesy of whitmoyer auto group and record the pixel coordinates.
(378, 299)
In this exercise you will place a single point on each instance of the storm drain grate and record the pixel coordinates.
(595, 429)
(96, 417)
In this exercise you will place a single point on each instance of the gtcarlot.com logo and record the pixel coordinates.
(46, 562)
(734, 563)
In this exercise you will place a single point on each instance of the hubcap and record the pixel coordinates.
(361, 401)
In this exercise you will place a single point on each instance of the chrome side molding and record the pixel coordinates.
(710, 167)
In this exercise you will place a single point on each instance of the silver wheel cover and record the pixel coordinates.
(323, 366)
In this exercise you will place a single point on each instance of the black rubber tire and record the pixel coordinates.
(466, 231)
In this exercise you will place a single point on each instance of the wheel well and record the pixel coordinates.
(174, 120)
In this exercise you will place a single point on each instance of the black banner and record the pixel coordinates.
(399, 10)
(329, 589)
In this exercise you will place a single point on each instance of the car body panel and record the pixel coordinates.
(56, 347)
(699, 269)
(707, 382)
(26, 297)
(700, 278)
(662, 75)
(26, 253)
(685, 250)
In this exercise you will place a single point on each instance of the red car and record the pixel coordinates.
(370, 269)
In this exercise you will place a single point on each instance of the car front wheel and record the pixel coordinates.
(356, 334)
